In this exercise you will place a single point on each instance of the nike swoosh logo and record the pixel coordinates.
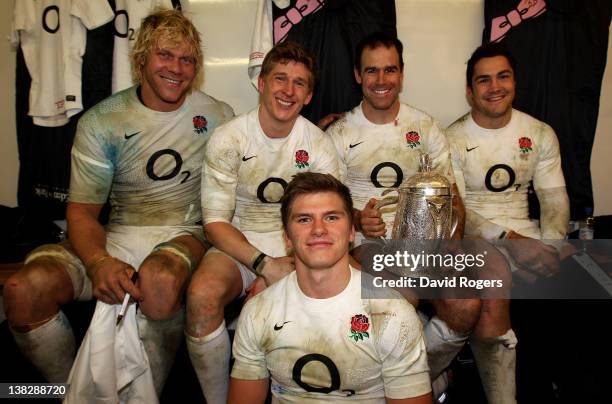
(244, 158)
(354, 145)
(470, 149)
(133, 134)
(278, 327)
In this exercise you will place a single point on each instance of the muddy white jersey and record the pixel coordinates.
(340, 349)
(53, 36)
(245, 172)
(494, 167)
(128, 17)
(148, 163)
(375, 157)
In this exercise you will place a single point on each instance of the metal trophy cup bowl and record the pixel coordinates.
(424, 206)
(423, 219)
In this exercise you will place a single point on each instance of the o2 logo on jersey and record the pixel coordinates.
(122, 25)
(278, 185)
(50, 23)
(399, 174)
(493, 171)
(334, 374)
(178, 163)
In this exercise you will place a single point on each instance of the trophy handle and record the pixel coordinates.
(454, 221)
(390, 200)
(435, 205)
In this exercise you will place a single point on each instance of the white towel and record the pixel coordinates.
(106, 347)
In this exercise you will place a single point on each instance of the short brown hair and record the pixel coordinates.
(314, 183)
(289, 51)
(166, 25)
(373, 41)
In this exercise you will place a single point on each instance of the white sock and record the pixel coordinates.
(442, 344)
(161, 340)
(496, 362)
(50, 348)
(210, 356)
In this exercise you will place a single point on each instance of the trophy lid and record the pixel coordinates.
(427, 181)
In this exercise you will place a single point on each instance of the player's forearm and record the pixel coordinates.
(247, 391)
(424, 399)
(87, 235)
(231, 241)
(477, 225)
(554, 212)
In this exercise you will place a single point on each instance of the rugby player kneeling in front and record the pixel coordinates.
(312, 332)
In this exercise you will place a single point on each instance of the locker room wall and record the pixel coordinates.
(602, 148)
(435, 56)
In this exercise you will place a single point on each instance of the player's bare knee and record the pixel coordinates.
(17, 295)
(39, 283)
(37, 280)
(205, 299)
(162, 290)
(461, 315)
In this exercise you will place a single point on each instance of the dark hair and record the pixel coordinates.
(313, 183)
(489, 50)
(285, 52)
(373, 41)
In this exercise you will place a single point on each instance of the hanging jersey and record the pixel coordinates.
(376, 157)
(341, 349)
(495, 166)
(262, 41)
(128, 17)
(149, 162)
(52, 34)
(245, 172)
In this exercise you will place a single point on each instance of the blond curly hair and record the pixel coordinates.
(169, 26)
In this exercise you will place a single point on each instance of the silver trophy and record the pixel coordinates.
(424, 206)
(423, 219)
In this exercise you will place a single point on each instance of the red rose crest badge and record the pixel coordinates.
(525, 144)
(200, 124)
(413, 139)
(359, 327)
(301, 159)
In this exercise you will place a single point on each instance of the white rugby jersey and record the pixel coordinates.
(149, 162)
(128, 17)
(493, 168)
(374, 157)
(245, 172)
(341, 349)
(53, 36)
